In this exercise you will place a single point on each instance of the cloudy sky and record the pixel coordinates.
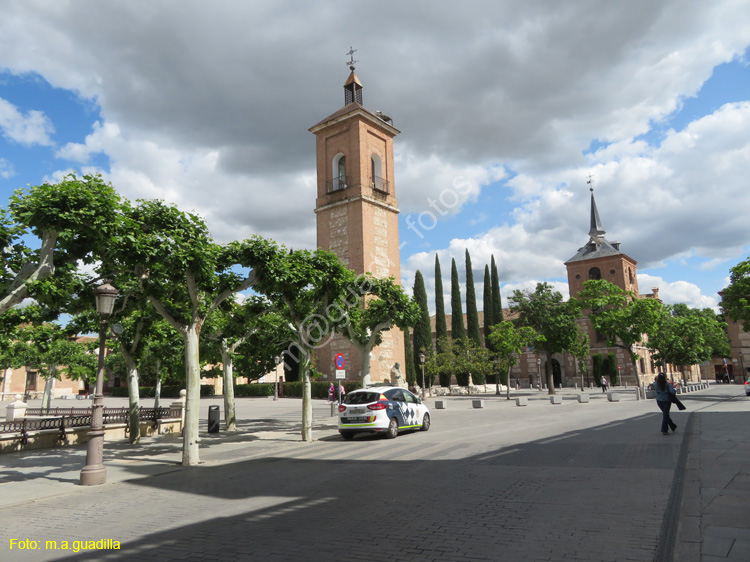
(505, 107)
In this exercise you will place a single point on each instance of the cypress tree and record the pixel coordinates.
(497, 305)
(422, 331)
(487, 307)
(457, 315)
(472, 316)
(441, 329)
(409, 373)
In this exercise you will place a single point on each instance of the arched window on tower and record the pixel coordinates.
(376, 174)
(595, 273)
(630, 274)
(339, 172)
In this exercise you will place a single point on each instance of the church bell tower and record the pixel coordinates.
(357, 213)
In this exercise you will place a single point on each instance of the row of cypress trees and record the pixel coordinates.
(492, 306)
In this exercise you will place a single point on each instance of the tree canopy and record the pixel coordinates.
(507, 342)
(382, 305)
(735, 299)
(685, 336)
(441, 328)
(72, 219)
(620, 317)
(551, 317)
(458, 331)
(422, 330)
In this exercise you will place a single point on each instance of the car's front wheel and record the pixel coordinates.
(426, 422)
(392, 430)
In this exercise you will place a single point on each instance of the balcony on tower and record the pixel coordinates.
(336, 184)
(379, 184)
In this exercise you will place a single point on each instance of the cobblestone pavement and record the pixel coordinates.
(573, 481)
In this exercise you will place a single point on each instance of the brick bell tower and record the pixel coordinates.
(602, 259)
(357, 214)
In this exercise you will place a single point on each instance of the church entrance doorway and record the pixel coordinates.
(556, 373)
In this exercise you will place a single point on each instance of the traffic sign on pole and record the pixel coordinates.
(340, 361)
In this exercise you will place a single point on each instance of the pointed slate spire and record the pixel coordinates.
(596, 229)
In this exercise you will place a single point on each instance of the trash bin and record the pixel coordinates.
(214, 418)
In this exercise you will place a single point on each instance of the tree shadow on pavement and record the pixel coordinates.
(592, 494)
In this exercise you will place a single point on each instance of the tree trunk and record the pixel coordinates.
(191, 438)
(364, 360)
(134, 406)
(230, 419)
(6, 382)
(157, 390)
(507, 384)
(550, 376)
(134, 398)
(49, 385)
(306, 403)
(637, 380)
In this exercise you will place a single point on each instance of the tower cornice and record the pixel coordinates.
(352, 111)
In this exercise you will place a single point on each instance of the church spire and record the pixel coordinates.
(596, 229)
(352, 86)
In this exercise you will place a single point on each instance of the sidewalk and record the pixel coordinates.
(714, 514)
(544, 482)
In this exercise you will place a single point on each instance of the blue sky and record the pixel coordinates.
(209, 107)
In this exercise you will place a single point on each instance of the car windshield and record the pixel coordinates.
(361, 397)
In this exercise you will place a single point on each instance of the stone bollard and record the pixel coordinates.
(441, 404)
(181, 404)
(555, 399)
(522, 401)
(15, 410)
(613, 397)
(477, 403)
(583, 398)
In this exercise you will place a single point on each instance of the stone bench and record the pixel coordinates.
(522, 401)
(613, 397)
(555, 399)
(477, 403)
(441, 404)
(583, 398)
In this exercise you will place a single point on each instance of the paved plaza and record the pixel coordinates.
(588, 482)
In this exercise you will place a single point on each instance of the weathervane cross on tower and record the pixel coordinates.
(590, 181)
(351, 60)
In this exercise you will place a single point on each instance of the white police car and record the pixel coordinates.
(387, 410)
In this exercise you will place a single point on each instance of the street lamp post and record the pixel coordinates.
(277, 360)
(421, 360)
(94, 472)
(539, 372)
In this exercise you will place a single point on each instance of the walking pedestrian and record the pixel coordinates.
(604, 384)
(342, 393)
(331, 393)
(665, 393)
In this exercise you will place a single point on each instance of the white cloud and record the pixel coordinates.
(188, 116)
(677, 292)
(30, 128)
(6, 168)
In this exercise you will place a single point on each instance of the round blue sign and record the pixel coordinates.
(340, 361)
